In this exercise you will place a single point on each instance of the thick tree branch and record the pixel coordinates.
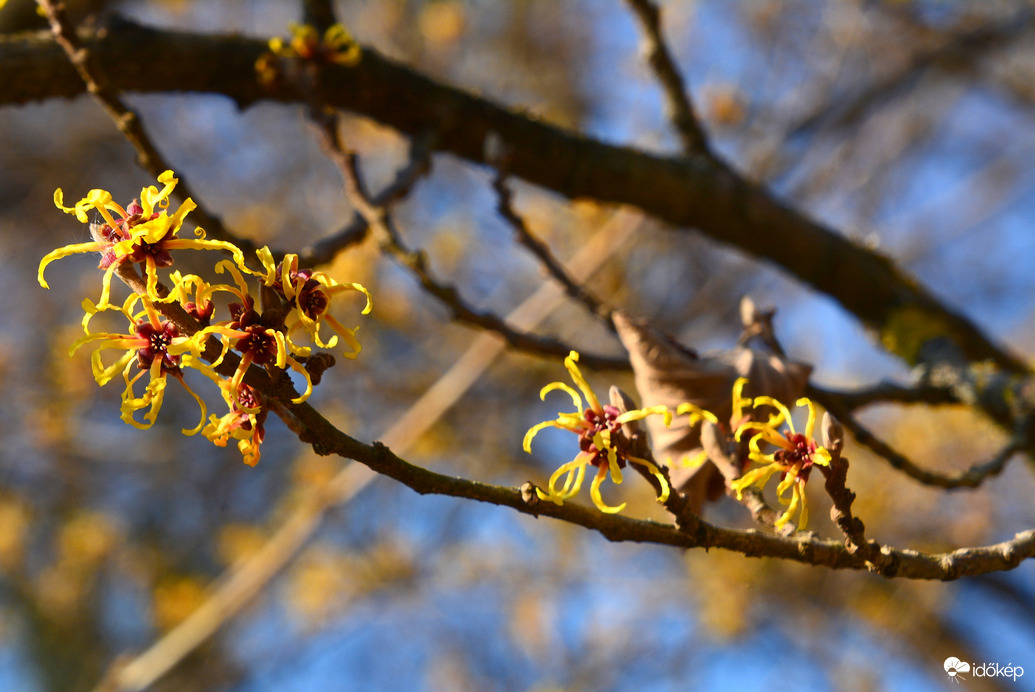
(702, 192)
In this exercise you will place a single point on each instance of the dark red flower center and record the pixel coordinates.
(258, 343)
(158, 340)
(801, 452)
(312, 299)
(599, 423)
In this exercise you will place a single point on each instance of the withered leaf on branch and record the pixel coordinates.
(669, 374)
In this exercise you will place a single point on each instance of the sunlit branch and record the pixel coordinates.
(505, 207)
(245, 580)
(326, 439)
(380, 222)
(890, 562)
(971, 477)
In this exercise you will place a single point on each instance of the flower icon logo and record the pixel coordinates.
(954, 667)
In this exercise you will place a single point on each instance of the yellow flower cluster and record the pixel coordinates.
(335, 47)
(605, 444)
(794, 455)
(145, 233)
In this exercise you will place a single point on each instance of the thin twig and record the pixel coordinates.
(971, 477)
(381, 224)
(125, 118)
(504, 204)
(884, 392)
(418, 166)
(680, 110)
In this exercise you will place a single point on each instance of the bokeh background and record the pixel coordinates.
(905, 124)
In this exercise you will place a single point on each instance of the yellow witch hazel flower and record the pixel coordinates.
(336, 46)
(155, 346)
(143, 232)
(309, 293)
(244, 423)
(602, 442)
(795, 455)
(249, 333)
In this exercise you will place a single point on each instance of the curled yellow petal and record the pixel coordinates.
(64, 252)
(811, 423)
(689, 462)
(821, 456)
(696, 413)
(779, 418)
(739, 400)
(656, 472)
(571, 363)
(641, 413)
(268, 264)
(201, 403)
(304, 373)
(594, 492)
(526, 444)
(759, 477)
(575, 398)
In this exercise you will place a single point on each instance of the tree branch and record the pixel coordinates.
(504, 205)
(379, 220)
(702, 192)
(125, 118)
(680, 110)
(971, 477)
(883, 392)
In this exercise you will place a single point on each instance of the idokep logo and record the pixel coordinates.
(957, 670)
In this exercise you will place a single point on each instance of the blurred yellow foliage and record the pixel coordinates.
(174, 599)
(14, 524)
(319, 583)
(449, 247)
(238, 542)
(60, 589)
(724, 104)
(531, 623)
(723, 588)
(442, 21)
(313, 471)
(86, 539)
